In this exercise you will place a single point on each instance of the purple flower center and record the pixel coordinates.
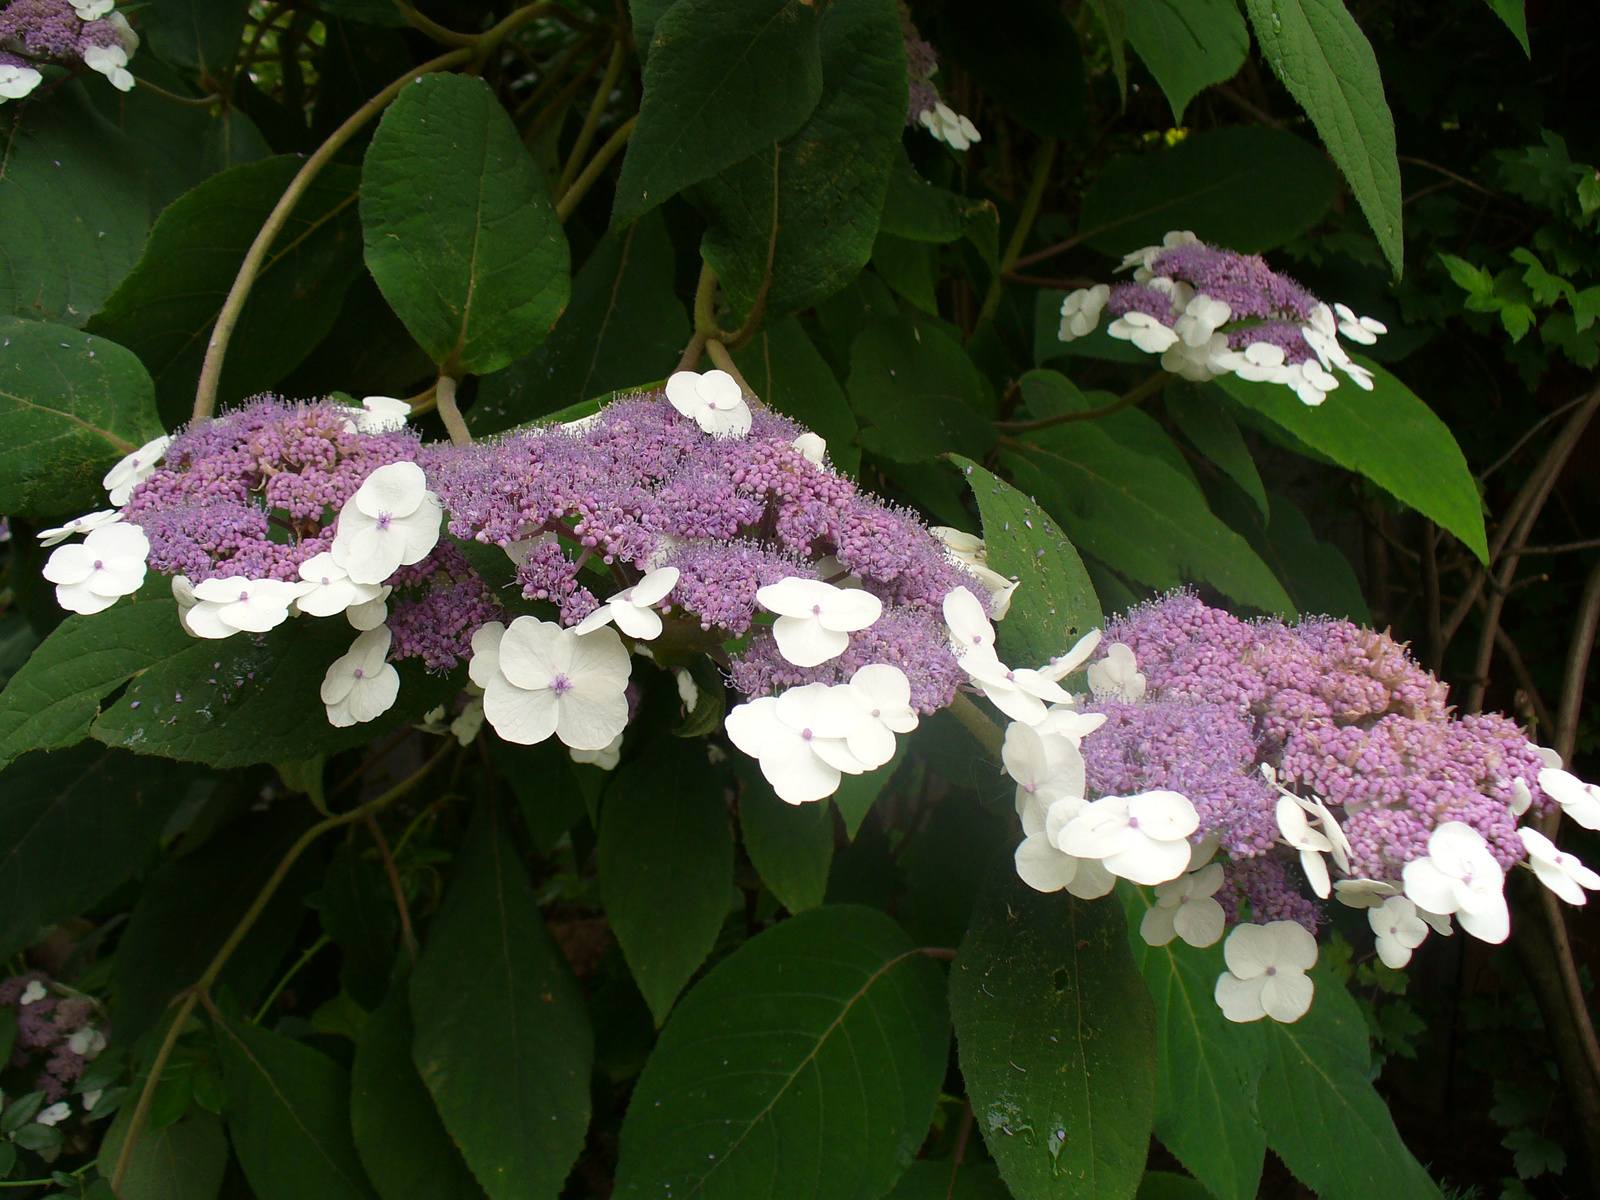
(816, 610)
(244, 597)
(98, 565)
(560, 684)
(1272, 970)
(359, 673)
(384, 519)
(806, 733)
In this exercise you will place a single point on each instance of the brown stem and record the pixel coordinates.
(1583, 635)
(1142, 392)
(408, 934)
(602, 157)
(692, 352)
(962, 1136)
(1556, 923)
(445, 37)
(141, 1111)
(444, 397)
(173, 97)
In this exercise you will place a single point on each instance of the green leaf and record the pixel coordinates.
(289, 1114)
(1207, 1067)
(858, 793)
(460, 232)
(1316, 574)
(1138, 515)
(165, 309)
(830, 176)
(1187, 46)
(919, 389)
(1245, 187)
(1166, 1185)
(1054, 601)
(790, 845)
(1319, 52)
(190, 905)
(1057, 1041)
(1047, 343)
(1204, 420)
(939, 1180)
(790, 374)
(547, 791)
(397, 1130)
(1024, 54)
(54, 697)
(358, 913)
(71, 405)
(200, 35)
(910, 268)
(644, 14)
(625, 324)
(73, 825)
(502, 1040)
(1389, 435)
(724, 80)
(805, 1066)
(184, 1160)
(1322, 1116)
(917, 210)
(666, 865)
(252, 698)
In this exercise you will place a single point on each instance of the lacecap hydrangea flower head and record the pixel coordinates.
(69, 33)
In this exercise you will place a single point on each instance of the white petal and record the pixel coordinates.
(643, 624)
(485, 662)
(1158, 926)
(795, 772)
(1042, 867)
(592, 714)
(396, 490)
(1240, 999)
(518, 715)
(969, 624)
(1287, 996)
(804, 642)
(1199, 922)
(1148, 861)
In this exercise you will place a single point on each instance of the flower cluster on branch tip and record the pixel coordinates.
(36, 33)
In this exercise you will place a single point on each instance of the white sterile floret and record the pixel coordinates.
(1059, 668)
(17, 82)
(1043, 866)
(1143, 257)
(1066, 721)
(714, 401)
(1364, 330)
(1185, 908)
(1201, 363)
(87, 523)
(1399, 930)
(1564, 874)
(53, 1114)
(33, 993)
(1046, 768)
(968, 622)
(1080, 311)
(87, 1042)
(1019, 692)
(813, 448)
(633, 608)
(224, 607)
(816, 619)
(949, 126)
(882, 695)
(392, 521)
(328, 589)
(1579, 800)
(92, 574)
(800, 744)
(370, 613)
(1142, 838)
(92, 10)
(1259, 362)
(1266, 975)
(1117, 676)
(362, 684)
(1460, 876)
(125, 32)
(1521, 797)
(1201, 319)
(112, 62)
(606, 758)
(1309, 381)
(1143, 330)
(972, 553)
(135, 469)
(1363, 893)
(1294, 815)
(538, 679)
(382, 414)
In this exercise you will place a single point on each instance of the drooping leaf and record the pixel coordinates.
(1057, 1041)
(666, 865)
(625, 325)
(397, 1131)
(1245, 187)
(1187, 47)
(543, 779)
(1389, 435)
(724, 79)
(805, 1066)
(289, 1114)
(459, 229)
(917, 210)
(919, 389)
(790, 374)
(358, 913)
(910, 268)
(790, 845)
(190, 905)
(1205, 421)
(1207, 1067)
(199, 35)
(1023, 53)
(165, 309)
(502, 1040)
(940, 1180)
(830, 176)
(1319, 52)
(73, 825)
(184, 1160)
(1316, 574)
(1054, 602)
(1514, 14)
(71, 405)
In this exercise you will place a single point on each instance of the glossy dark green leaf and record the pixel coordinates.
(789, 373)
(502, 1039)
(200, 35)
(190, 905)
(358, 913)
(805, 1066)
(1024, 54)
(459, 229)
(289, 1115)
(723, 80)
(383, 361)
(920, 391)
(644, 14)
(73, 825)
(1245, 187)
(940, 1180)
(790, 845)
(625, 325)
(1187, 46)
(1390, 435)
(71, 405)
(183, 1160)
(830, 176)
(164, 311)
(1207, 1067)
(1054, 603)
(1205, 421)
(666, 865)
(1057, 1041)
(1316, 574)
(397, 1131)
(1051, 394)
(1319, 52)
(1514, 14)
(1322, 1115)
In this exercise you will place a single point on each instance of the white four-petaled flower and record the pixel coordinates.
(1266, 975)
(92, 574)
(1563, 873)
(134, 469)
(1185, 908)
(1117, 676)
(33, 993)
(538, 679)
(92, 10)
(714, 401)
(328, 589)
(882, 695)
(949, 126)
(1579, 800)
(17, 81)
(1294, 814)
(361, 684)
(53, 1114)
(1144, 331)
(633, 608)
(801, 747)
(1080, 311)
(87, 523)
(816, 619)
(224, 607)
(1143, 838)
(112, 62)
(1460, 876)
(1399, 930)
(392, 521)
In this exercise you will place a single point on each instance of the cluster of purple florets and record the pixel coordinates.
(1340, 712)
(45, 1032)
(922, 63)
(51, 31)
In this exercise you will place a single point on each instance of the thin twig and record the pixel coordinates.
(1523, 440)
(602, 157)
(407, 933)
(1564, 548)
(1449, 174)
(719, 355)
(1571, 982)
(311, 952)
(553, 76)
(597, 108)
(1142, 392)
(1042, 166)
(173, 97)
(1582, 646)
(559, 104)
